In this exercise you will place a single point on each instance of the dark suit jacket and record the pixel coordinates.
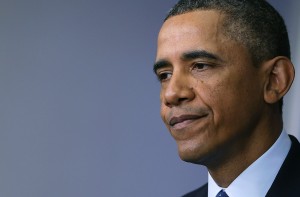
(287, 181)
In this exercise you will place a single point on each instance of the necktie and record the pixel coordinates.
(222, 193)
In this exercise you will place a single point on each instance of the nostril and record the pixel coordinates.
(182, 99)
(178, 99)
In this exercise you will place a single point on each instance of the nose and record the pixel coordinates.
(177, 91)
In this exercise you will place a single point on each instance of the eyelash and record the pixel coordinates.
(162, 76)
(198, 67)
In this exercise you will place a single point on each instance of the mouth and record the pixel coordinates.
(183, 121)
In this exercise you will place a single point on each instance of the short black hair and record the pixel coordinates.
(254, 23)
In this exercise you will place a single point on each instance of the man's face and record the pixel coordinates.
(211, 93)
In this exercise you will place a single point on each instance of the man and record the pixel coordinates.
(224, 67)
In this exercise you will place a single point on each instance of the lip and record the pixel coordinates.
(180, 122)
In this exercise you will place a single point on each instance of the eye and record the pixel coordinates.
(200, 66)
(163, 76)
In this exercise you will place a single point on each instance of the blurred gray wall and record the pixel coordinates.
(79, 104)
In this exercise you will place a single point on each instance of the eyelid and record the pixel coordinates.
(204, 64)
(162, 72)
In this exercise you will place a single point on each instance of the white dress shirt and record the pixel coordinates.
(257, 179)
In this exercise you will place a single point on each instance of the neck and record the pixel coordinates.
(241, 155)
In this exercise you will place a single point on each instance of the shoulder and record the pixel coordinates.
(287, 180)
(200, 192)
(292, 161)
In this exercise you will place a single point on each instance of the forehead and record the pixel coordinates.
(190, 31)
(194, 21)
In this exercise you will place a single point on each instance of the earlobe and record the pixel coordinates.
(280, 77)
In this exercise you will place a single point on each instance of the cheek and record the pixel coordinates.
(161, 95)
(163, 112)
(221, 97)
(233, 102)
(211, 93)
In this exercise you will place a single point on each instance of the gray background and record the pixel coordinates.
(79, 104)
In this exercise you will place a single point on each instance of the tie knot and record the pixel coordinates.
(222, 193)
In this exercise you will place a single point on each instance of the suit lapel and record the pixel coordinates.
(287, 181)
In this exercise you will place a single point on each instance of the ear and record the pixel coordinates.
(280, 76)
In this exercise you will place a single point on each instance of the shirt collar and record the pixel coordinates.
(259, 176)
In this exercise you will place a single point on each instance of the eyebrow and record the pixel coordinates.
(187, 56)
(199, 54)
(160, 64)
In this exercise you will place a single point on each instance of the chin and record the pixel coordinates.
(191, 155)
